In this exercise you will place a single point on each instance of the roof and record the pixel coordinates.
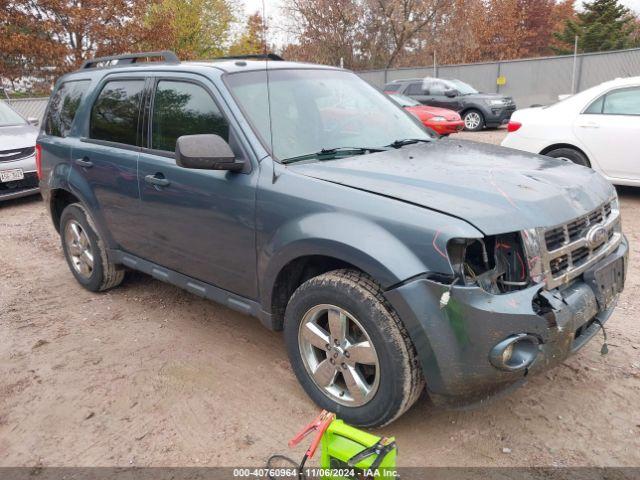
(239, 65)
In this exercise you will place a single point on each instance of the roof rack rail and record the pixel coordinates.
(254, 56)
(128, 59)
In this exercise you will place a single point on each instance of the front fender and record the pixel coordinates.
(344, 237)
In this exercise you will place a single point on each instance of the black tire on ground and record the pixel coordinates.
(400, 380)
(104, 275)
(570, 154)
(473, 120)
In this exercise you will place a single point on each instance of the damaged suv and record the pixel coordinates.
(301, 195)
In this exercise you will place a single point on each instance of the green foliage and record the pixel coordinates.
(252, 40)
(603, 25)
(193, 29)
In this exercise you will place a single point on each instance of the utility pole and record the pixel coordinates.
(575, 66)
(435, 67)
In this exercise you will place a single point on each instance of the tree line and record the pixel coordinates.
(46, 38)
(370, 34)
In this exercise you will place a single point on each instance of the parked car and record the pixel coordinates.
(17, 154)
(392, 260)
(597, 128)
(440, 120)
(478, 110)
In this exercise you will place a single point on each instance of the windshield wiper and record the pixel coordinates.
(331, 153)
(408, 141)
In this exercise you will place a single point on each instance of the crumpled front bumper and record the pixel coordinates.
(454, 342)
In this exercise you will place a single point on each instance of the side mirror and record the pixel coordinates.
(33, 121)
(206, 152)
(451, 93)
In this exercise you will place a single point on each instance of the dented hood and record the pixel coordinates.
(495, 189)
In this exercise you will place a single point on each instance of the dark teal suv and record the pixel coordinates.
(302, 196)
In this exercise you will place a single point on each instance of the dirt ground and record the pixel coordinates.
(148, 374)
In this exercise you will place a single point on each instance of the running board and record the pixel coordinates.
(197, 287)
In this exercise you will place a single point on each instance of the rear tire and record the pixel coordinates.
(473, 120)
(570, 154)
(364, 386)
(85, 251)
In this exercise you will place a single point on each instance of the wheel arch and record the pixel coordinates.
(555, 146)
(59, 199)
(295, 273)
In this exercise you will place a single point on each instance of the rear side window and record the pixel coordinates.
(595, 107)
(392, 87)
(622, 102)
(182, 108)
(414, 89)
(63, 105)
(115, 113)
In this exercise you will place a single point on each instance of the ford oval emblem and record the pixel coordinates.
(596, 236)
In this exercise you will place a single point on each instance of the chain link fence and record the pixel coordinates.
(529, 81)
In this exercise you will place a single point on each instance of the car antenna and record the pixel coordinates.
(266, 71)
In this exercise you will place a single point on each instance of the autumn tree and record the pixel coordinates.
(50, 37)
(325, 30)
(395, 26)
(602, 25)
(253, 39)
(193, 29)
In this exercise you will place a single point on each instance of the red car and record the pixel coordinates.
(442, 120)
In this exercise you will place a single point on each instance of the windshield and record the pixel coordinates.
(403, 100)
(463, 88)
(313, 110)
(9, 117)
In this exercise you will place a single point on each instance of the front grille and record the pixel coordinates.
(568, 250)
(29, 181)
(16, 154)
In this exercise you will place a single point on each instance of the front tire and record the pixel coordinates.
(570, 154)
(85, 251)
(349, 349)
(473, 121)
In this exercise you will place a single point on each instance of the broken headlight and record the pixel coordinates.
(497, 264)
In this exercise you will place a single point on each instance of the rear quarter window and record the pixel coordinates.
(115, 113)
(63, 106)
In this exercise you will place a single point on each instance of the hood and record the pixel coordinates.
(17, 136)
(434, 112)
(495, 189)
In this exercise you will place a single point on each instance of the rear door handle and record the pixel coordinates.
(589, 125)
(157, 180)
(84, 162)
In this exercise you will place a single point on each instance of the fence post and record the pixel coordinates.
(498, 76)
(579, 73)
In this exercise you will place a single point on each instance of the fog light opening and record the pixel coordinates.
(515, 353)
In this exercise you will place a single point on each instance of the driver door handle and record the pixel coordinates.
(83, 162)
(157, 180)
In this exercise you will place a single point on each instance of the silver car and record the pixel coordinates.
(18, 175)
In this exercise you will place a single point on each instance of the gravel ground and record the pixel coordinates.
(148, 374)
(487, 136)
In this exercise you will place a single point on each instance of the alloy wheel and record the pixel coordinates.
(472, 120)
(79, 248)
(339, 355)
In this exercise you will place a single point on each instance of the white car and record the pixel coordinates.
(598, 128)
